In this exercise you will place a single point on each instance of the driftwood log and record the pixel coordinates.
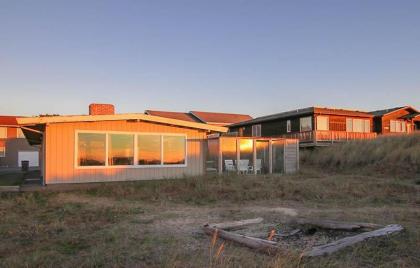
(234, 225)
(262, 245)
(351, 240)
(337, 225)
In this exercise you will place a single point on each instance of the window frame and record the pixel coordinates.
(310, 117)
(365, 123)
(162, 151)
(320, 117)
(107, 149)
(256, 130)
(136, 134)
(400, 126)
(289, 126)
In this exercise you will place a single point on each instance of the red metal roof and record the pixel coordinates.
(173, 115)
(220, 118)
(8, 120)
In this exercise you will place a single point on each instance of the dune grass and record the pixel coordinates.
(391, 155)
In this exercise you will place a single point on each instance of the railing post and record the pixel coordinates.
(220, 162)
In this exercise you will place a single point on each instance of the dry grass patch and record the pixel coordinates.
(156, 223)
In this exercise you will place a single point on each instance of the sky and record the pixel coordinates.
(253, 57)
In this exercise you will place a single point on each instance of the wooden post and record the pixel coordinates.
(270, 156)
(284, 157)
(238, 154)
(220, 159)
(44, 156)
(297, 155)
(254, 156)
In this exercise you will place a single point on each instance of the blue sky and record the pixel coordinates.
(256, 57)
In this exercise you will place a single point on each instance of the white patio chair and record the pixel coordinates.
(258, 166)
(229, 166)
(243, 166)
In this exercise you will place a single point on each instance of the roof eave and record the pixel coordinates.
(116, 117)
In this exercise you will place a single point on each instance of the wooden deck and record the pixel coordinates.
(324, 137)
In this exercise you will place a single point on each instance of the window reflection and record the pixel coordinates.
(91, 149)
(262, 164)
(121, 149)
(246, 149)
(306, 123)
(149, 149)
(173, 150)
(228, 147)
(278, 156)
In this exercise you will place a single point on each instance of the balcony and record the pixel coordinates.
(325, 137)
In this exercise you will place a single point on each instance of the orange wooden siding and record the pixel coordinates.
(386, 121)
(60, 153)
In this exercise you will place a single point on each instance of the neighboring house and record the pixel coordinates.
(14, 148)
(174, 115)
(104, 146)
(312, 126)
(396, 120)
(216, 119)
(220, 119)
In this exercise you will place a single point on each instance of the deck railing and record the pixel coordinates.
(329, 136)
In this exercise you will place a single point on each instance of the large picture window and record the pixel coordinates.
(322, 123)
(91, 149)
(116, 149)
(121, 149)
(398, 126)
(357, 125)
(149, 150)
(173, 150)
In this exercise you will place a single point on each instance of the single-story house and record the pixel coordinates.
(104, 146)
(312, 126)
(14, 148)
(211, 118)
(397, 120)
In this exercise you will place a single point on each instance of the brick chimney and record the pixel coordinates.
(101, 109)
